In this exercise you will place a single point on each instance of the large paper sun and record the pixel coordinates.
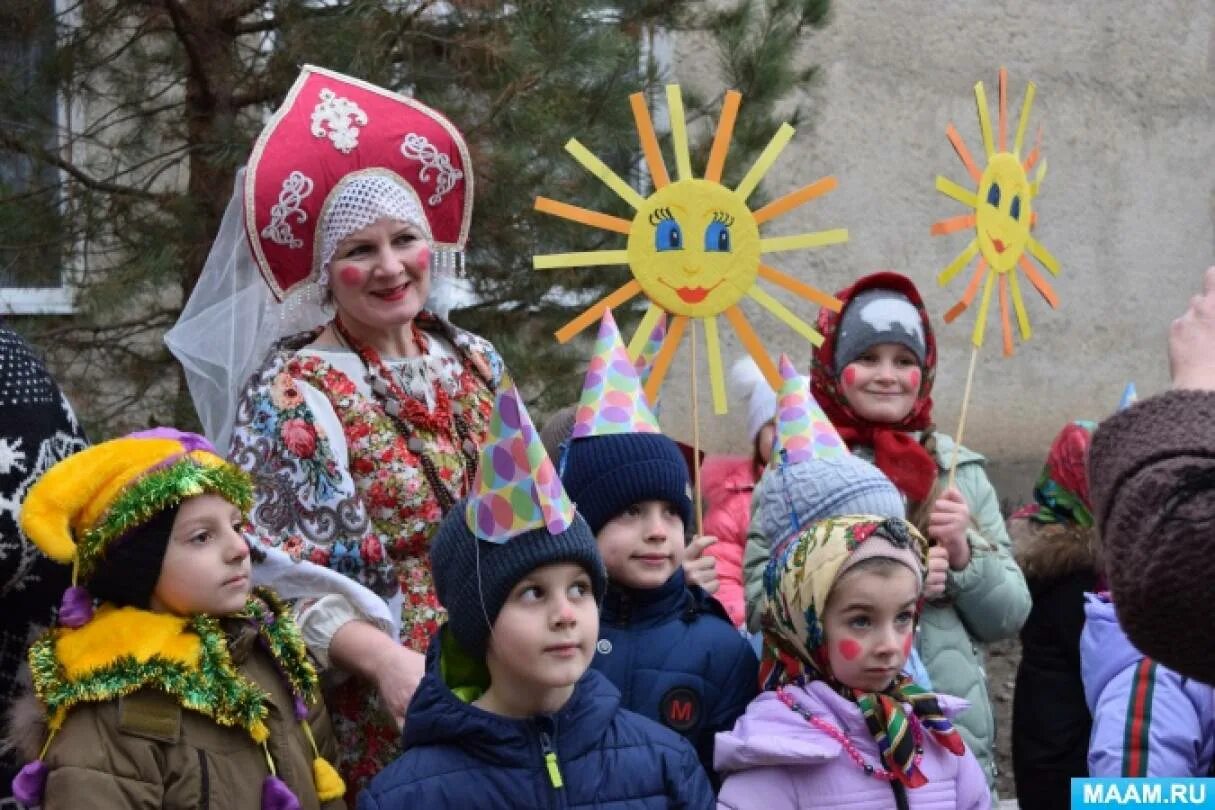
(1003, 217)
(694, 246)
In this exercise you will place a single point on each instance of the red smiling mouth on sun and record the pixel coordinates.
(692, 295)
(997, 244)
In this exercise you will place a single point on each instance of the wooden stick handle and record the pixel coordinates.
(700, 516)
(957, 441)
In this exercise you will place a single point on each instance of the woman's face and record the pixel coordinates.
(883, 383)
(380, 275)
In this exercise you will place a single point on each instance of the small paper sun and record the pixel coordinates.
(694, 246)
(1002, 218)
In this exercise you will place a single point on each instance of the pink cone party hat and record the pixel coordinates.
(612, 397)
(803, 431)
(516, 488)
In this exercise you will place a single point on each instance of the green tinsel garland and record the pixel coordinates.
(157, 491)
(215, 688)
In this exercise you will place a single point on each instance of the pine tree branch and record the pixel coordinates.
(181, 27)
(42, 155)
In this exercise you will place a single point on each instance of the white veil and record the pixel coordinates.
(232, 320)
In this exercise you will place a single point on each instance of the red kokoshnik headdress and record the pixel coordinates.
(331, 131)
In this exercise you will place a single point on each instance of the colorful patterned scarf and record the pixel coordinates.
(1061, 494)
(896, 452)
(797, 583)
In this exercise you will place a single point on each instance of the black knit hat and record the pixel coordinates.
(130, 568)
(604, 475)
(474, 577)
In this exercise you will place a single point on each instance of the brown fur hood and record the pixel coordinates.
(24, 723)
(1049, 550)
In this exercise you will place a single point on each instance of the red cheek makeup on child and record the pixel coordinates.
(907, 645)
(350, 275)
(849, 376)
(849, 649)
(914, 378)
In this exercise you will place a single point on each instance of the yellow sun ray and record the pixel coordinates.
(785, 314)
(961, 260)
(1003, 130)
(754, 346)
(649, 141)
(679, 132)
(583, 216)
(776, 244)
(721, 141)
(589, 258)
(984, 119)
(662, 363)
(976, 337)
(810, 293)
(1019, 307)
(951, 189)
(601, 170)
(653, 314)
(1038, 178)
(1040, 283)
(785, 204)
(972, 287)
(959, 146)
(764, 162)
(1044, 256)
(694, 245)
(717, 378)
(1030, 89)
(952, 225)
(623, 294)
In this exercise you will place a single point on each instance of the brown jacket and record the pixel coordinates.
(145, 751)
(1152, 479)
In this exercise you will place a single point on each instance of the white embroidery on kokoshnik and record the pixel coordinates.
(341, 114)
(417, 147)
(296, 187)
(882, 313)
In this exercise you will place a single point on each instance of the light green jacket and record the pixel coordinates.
(986, 601)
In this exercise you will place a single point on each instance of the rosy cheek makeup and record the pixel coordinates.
(907, 644)
(849, 377)
(914, 378)
(849, 649)
(423, 256)
(350, 275)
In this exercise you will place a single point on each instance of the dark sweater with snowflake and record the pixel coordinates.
(37, 429)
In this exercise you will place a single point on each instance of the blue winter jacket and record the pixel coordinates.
(591, 754)
(676, 658)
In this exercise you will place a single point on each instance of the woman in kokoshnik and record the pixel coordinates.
(360, 409)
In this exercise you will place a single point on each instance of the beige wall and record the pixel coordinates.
(1126, 96)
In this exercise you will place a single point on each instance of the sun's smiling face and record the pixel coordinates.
(694, 247)
(1003, 213)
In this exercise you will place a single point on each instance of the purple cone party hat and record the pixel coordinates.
(516, 488)
(613, 400)
(803, 431)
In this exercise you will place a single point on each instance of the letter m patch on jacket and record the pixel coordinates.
(680, 709)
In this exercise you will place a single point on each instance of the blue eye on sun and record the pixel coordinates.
(668, 236)
(717, 237)
(1015, 209)
(993, 195)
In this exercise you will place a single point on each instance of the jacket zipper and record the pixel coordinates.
(552, 767)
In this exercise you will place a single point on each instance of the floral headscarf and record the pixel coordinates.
(1061, 493)
(797, 583)
(896, 453)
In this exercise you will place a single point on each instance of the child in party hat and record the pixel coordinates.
(837, 723)
(670, 648)
(509, 713)
(185, 687)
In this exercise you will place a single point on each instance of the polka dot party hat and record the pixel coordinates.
(645, 360)
(803, 431)
(516, 488)
(612, 397)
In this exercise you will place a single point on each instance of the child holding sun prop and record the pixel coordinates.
(694, 246)
(1002, 219)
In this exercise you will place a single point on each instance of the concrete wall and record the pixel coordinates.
(1126, 97)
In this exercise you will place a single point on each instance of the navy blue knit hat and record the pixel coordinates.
(473, 577)
(604, 475)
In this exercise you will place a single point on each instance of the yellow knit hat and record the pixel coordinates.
(104, 491)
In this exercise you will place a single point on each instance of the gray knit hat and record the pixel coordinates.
(473, 577)
(878, 316)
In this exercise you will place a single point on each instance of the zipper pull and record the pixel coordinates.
(550, 761)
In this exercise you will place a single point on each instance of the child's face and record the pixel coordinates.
(869, 625)
(883, 383)
(206, 567)
(643, 545)
(545, 634)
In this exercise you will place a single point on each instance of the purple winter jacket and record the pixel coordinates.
(774, 759)
(1147, 719)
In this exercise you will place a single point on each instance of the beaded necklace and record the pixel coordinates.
(398, 405)
(840, 737)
